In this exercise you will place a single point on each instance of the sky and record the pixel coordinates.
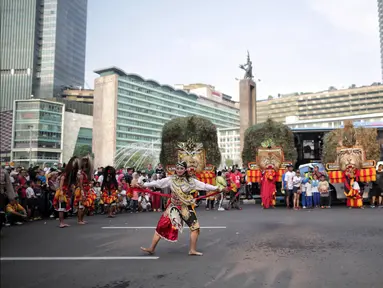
(295, 45)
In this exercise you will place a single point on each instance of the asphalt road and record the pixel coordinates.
(258, 248)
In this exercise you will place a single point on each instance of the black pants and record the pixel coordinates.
(325, 201)
(135, 205)
(234, 200)
(210, 204)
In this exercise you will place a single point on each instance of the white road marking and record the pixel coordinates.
(125, 227)
(77, 258)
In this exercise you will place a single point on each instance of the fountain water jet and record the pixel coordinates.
(137, 155)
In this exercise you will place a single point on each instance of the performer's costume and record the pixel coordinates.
(352, 189)
(109, 187)
(268, 188)
(180, 209)
(61, 201)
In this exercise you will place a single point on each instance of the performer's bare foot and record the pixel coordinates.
(195, 253)
(64, 225)
(81, 223)
(148, 250)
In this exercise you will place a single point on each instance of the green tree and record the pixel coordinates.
(229, 162)
(181, 129)
(82, 150)
(280, 134)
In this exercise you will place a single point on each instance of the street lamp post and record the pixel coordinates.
(30, 145)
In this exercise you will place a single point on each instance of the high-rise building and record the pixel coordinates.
(380, 12)
(129, 109)
(42, 48)
(46, 132)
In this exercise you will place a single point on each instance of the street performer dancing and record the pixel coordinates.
(180, 208)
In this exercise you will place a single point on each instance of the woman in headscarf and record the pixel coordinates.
(180, 208)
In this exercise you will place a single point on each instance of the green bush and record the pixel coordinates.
(181, 129)
(280, 135)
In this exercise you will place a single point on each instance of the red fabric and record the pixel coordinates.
(156, 201)
(166, 230)
(268, 188)
(23, 190)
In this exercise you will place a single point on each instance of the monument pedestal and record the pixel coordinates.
(247, 106)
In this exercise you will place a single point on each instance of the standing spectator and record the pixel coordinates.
(31, 201)
(159, 169)
(309, 194)
(16, 214)
(156, 199)
(289, 184)
(376, 191)
(22, 188)
(297, 182)
(221, 183)
(129, 175)
(379, 182)
(135, 192)
(323, 188)
(315, 191)
(149, 171)
(6, 191)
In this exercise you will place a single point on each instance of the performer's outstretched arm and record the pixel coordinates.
(163, 183)
(205, 187)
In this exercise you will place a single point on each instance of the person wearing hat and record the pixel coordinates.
(180, 208)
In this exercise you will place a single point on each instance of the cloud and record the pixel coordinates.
(360, 16)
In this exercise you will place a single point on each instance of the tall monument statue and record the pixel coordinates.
(248, 67)
(247, 99)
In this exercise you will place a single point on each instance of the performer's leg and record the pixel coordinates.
(193, 243)
(152, 248)
(61, 218)
(80, 212)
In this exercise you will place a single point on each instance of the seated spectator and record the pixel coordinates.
(144, 202)
(16, 213)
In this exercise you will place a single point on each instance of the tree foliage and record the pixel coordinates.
(280, 134)
(229, 162)
(82, 150)
(348, 137)
(183, 128)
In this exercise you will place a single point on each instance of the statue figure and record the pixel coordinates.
(248, 67)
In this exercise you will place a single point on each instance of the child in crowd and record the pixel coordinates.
(31, 201)
(309, 195)
(122, 203)
(323, 188)
(97, 204)
(144, 202)
(297, 182)
(315, 191)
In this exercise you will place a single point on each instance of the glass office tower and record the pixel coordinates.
(42, 48)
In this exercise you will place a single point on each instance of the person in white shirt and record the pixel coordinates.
(144, 202)
(289, 176)
(297, 182)
(31, 201)
(309, 195)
